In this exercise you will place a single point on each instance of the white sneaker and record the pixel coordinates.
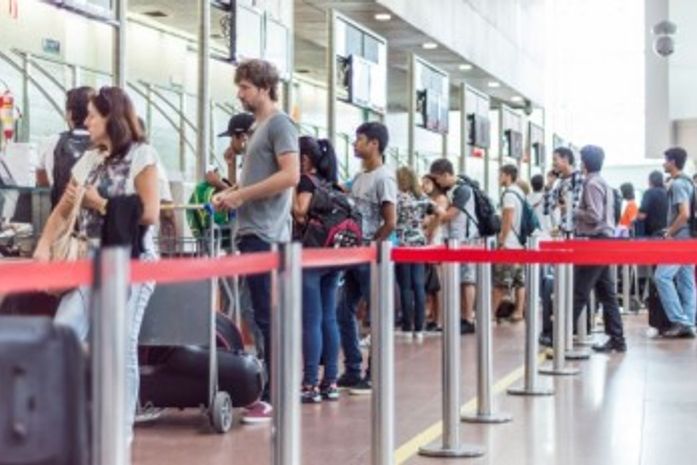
(419, 337)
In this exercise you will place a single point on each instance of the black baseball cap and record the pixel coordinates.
(239, 123)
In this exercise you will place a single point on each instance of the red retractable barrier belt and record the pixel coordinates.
(637, 245)
(28, 276)
(321, 258)
(177, 270)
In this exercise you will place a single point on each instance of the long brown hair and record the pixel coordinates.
(122, 126)
(407, 181)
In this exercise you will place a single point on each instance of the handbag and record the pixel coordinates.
(432, 279)
(71, 245)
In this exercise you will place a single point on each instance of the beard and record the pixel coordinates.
(248, 106)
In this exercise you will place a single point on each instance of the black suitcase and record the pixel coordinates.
(657, 315)
(43, 406)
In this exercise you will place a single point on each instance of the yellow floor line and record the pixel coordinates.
(410, 448)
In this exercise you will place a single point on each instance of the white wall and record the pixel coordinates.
(657, 132)
(683, 63)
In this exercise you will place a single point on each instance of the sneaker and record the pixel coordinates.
(349, 381)
(406, 335)
(258, 412)
(364, 388)
(466, 327)
(677, 330)
(329, 392)
(546, 340)
(147, 413)
(419, 337)
(611, 345)
(310, 395)
(432, 327)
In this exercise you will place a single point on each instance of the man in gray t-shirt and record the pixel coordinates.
(370, 190)
(263, 199)
(676, 283)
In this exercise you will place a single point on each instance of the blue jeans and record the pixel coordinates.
(320, 330)
(356, 286)
(260, 292)
(411, 278)
(676, 288)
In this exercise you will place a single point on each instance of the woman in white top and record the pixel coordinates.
(121, 164)
(434, 236)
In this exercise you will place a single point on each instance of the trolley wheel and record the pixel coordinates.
(221, 413)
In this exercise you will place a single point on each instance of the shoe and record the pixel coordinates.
(364, 388)
(677, 330)
(419, 337)
(329, 392)
(432, 327)
(406, 335)
(349, 381)
(365, 342)
(258, 412)
(546, 340)
(310, 395)
(147, 413)
(466, 327)
(611, 345)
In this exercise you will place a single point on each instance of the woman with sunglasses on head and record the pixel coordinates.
(118, 175)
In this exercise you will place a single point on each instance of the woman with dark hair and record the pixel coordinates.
(631, 208)
(118, 177)
(320, 330)
(653, 212)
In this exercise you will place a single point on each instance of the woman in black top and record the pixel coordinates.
(320, 330)
(653, 212)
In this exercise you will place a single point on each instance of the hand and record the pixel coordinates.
(228, 200)
(213, 178)
(92, 199)
(70, 193)
(42, 253)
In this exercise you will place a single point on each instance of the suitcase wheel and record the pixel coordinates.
(222, 414)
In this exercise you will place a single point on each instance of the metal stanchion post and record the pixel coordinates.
(110, 445)
(571, 353)
(531, 384)
(583, 338)
(451, 446)
(626, 290)
(559, 363)
(485, 409)
(286, 333)
(382, 358)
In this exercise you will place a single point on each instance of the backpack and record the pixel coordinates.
(487, 221)
(332, 219)
(692, 220)
(529, 223)
(68, 151)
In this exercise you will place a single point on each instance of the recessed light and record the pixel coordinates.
(429, 45)
(494, 84)
(465, 67)
(383, 16)
(517, 99)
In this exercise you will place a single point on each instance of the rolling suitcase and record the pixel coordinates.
(43, 406)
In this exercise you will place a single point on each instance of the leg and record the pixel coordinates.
(468, 280)
(605, 288)
(685, 284)
(519, 287)
(546, 291)
(585, 278)
(312, 326)
(406, 295)
(73, 311)
(501, 283)
(418, 276)
(348, 328)
(330, 330)
(665, 284)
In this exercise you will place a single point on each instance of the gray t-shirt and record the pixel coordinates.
(268, 218)
(462, 227)
(370, 190)
(681, 191)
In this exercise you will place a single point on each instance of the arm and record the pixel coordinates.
(56, 222)
(146, 187)
(301, 205)
(389, 219)
(231, 160)
(594, 200)
(680, 220)
(506, 225)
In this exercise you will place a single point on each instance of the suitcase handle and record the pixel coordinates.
(19, 423)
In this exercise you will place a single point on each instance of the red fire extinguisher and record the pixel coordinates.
(7, 115)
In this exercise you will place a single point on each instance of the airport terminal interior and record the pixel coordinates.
(361, 232)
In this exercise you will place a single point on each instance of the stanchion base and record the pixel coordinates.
(491, 418)
(566, 371)
(587, 341)
(534, 392)
(440, 451)
(577, 354)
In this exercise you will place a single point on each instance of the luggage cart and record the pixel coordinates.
(170, 320)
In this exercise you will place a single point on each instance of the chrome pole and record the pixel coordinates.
(571, 352)
(286, 334)
(120, 31)
(485, 402)
(626, 289)
(331, 76)
(411, 110)
(109, 338)
(531, 383)
(559, 367)
(450, 445)
(382, 358)
(204, 94)
(464, 137)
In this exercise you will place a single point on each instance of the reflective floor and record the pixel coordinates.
(639, 408)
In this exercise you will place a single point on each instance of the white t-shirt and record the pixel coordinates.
(142, 156)
(514, 202)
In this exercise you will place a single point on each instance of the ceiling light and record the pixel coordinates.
(465, 67)
(430, 45)
(494, 84)
(517, 99)
(383, 17)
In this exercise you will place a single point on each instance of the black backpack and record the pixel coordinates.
(68, 151)
(332, 219)
(488, 222)
(692, 220)
(529, 223)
